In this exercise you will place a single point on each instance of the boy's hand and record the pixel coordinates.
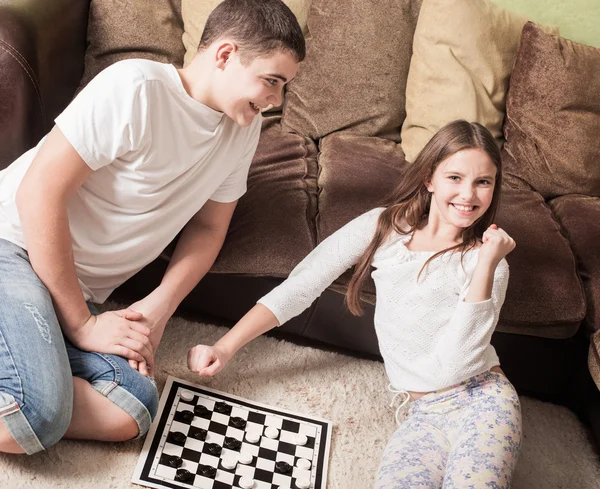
(116, 333)
(496, 245)
(155, 313)
(206, 360)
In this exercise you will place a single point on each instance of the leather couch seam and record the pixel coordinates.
(19, 58)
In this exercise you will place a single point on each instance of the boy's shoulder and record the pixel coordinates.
(137, 70)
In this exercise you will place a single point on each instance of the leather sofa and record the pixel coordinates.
(300, 190)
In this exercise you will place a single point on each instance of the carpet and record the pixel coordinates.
(557, 449)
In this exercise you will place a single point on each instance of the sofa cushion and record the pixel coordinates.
(463, 55)
(273, 225)
(354, 75)
(553, 116)
(545, 295)
(195, 13)
(119, 29)
(579, 216)
(355, 174)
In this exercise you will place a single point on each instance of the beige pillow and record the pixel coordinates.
(463, 52)
(195, 13)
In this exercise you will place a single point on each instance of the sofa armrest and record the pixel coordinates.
(42, 48)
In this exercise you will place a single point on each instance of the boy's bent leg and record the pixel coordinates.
(485, 445)
(36, 388)
(115, 395)
(414, 458)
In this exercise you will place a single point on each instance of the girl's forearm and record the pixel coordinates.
(482, 282)
(257, 321)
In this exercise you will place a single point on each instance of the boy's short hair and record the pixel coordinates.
(259, 27)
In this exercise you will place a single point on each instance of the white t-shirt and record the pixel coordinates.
(158, 155)
(429, 337)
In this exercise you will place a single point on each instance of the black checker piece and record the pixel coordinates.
(176, 438)
(223, 408)
(184, 416)
(171, 460)
(197, 433)
(183, 475)
(207, 471)
(213, 448)
(232, 443)
(202, 411)
(283, 467)
(237, 422)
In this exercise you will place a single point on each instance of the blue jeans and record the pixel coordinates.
(37, 363)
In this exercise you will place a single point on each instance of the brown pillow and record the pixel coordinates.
(552, 127)
(123, 29)
(354, 75)
(463, 54)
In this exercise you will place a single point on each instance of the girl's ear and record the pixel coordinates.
(428, 186)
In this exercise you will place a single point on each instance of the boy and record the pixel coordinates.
(141, 151)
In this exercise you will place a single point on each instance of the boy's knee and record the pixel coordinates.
(35, 424)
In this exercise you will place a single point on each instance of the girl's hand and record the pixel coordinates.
(496, 245)
(206, 361)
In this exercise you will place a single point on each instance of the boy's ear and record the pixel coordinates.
(225, 50)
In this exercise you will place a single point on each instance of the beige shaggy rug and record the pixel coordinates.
(557, 452)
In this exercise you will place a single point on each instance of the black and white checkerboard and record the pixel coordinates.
(190, 440)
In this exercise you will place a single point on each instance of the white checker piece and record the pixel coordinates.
(184, 429)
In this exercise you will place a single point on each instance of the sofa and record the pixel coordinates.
(321, 162)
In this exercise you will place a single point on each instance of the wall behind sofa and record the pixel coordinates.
(578, 20)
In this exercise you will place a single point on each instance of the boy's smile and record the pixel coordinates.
(247, 89)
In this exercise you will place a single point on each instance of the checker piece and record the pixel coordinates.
(223, 408)
(187, 396)
(283, 467)
(246, 458)
(246, 483)
(172, 460)
(238, 422)
(232, 443)
(253, 436)
(200, 410)
(183, 475)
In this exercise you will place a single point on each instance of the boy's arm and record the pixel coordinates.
(196, 251)
(54, 176)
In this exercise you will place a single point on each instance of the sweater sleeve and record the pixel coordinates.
(332, 257)
(462, 348)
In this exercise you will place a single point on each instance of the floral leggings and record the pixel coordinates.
(464, 437)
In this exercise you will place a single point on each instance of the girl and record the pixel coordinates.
(441, 278)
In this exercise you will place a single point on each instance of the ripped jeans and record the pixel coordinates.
(37, 363)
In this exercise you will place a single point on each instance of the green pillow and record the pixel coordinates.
(578, 20)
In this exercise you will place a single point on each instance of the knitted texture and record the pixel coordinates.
(429, 337)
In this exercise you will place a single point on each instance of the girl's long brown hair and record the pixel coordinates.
(407, 208)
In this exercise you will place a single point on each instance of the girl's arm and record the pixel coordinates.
(461, 349)
(306, 282)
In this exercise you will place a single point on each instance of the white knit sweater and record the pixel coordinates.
(429, 337)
